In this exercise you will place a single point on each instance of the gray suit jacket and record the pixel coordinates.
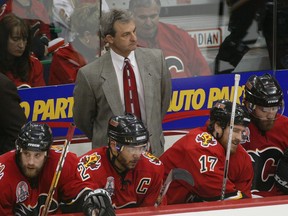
(97, 97)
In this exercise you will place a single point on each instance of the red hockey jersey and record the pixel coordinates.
(265, 151)
(183, 57)
(139, 187)
(65, 64)
(19, 196)
(36, 76)
(200, 154)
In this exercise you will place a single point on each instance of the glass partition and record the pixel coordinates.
(197, 37)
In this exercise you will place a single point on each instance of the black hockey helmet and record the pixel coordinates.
(221, 112)
(127, 130)
(34, 137)
(264, 91)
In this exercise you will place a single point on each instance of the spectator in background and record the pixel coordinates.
(184, 58)
(34, 12)
(60, 13)
(268, 132)
(99, 88)
(202, 152)
(16, 61)
(233, 49)
(132, 176)
(83, 49)
(12, 116)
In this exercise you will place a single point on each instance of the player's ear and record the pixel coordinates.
(112, 145)
(217, 127)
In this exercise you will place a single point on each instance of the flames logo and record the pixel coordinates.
(153, 159)
(57, 148)
(205, 139)
(91, 161)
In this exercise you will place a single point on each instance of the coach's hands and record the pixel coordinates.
(98, 203)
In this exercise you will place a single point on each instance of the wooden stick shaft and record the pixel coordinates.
(58, 170)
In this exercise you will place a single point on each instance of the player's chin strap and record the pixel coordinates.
(114, 157)
(217, 136)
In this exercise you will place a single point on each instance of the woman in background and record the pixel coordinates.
(16, 61)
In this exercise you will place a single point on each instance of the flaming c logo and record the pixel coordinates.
(205, 139)
(91, 161)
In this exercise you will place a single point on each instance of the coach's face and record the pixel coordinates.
(125, 40)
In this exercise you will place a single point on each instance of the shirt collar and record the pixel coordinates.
(119, 60)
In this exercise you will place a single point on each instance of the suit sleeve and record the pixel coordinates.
(84, 107)
(166, 87)
(12, 116)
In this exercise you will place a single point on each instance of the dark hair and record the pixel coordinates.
(21, 66)
(109, 18)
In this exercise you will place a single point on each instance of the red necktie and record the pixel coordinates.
(130, 90)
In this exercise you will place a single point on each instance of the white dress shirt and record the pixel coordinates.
(118, 63)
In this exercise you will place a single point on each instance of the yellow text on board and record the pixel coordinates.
(182, 100)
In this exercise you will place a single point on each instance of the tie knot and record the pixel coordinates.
(126, 60)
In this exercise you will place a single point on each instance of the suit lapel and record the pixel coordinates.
(110, 85)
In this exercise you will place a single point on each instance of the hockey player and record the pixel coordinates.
(26, 175)
(268, 131)
(130, 174)
(202, 152)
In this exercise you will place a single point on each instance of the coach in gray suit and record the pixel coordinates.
(98, 92)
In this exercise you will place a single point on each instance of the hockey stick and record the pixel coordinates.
(174, 174)
(226, 167)
(58, 170)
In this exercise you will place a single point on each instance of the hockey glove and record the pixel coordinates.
(98, 202)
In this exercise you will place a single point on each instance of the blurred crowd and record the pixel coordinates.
(64, 35)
